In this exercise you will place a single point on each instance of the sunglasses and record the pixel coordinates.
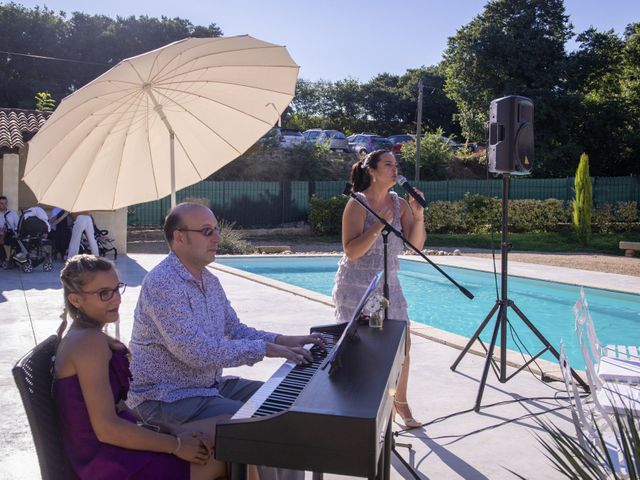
(206, 231)
(107, 294)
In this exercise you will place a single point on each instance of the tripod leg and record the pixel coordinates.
(545, 342)
(475, 335)
(487, 363)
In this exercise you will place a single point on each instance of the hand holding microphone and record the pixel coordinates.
(418, 197)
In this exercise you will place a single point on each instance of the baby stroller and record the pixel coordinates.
(105, 243)
(30, 246)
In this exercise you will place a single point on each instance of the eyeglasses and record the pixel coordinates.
(206, 231)
(107, 294)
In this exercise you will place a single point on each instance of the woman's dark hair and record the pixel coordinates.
(360, 178)
(77, 272)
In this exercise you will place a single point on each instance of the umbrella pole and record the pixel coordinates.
(173, 168)
(158, 108)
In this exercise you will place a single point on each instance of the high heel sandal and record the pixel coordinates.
(409, 421)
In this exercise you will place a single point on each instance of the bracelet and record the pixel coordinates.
(178, 447)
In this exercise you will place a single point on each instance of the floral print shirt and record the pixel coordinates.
(184, 333)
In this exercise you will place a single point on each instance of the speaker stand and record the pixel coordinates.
(501, 306)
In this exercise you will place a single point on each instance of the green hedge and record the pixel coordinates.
(325, 214)
(479, 214)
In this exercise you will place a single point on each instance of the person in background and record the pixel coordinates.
(91, 380)
(8, 225)
(372, 179)
(82, 222)
(35, 220)
(60, 231)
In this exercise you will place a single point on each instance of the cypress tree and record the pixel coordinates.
(583, 201)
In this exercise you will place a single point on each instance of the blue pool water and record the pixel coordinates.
(434, 301)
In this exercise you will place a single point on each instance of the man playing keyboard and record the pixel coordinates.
(185, 332)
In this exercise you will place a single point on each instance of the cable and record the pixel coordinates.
(520, 343)
(491, 236)
(491, 427)
(24, 294)
(555, 398)
(57, 59)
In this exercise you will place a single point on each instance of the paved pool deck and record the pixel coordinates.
(455, 443)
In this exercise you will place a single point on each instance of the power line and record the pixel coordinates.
(42, 57)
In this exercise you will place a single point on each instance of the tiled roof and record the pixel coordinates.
(18, 126)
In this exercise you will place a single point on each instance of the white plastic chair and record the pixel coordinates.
(608, 367)
(610, 397)
(585, 420)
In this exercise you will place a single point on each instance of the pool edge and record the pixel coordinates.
(514, 359)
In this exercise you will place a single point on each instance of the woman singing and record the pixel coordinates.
(372, 180)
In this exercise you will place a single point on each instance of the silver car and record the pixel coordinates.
(335, 139)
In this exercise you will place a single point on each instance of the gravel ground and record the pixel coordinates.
(150, 241)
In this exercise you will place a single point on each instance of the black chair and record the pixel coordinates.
(33, 376)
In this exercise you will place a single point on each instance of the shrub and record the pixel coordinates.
(445, 217)
(602, 218)
(535, 215)
(481, 214)
(627, 213)
(232, 241)
(325, 215)
(434, 155)
(583, 201)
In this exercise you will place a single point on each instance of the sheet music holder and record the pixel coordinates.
(350, 330)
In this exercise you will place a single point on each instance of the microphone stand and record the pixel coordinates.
(388, 228)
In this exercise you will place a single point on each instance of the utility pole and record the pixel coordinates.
(418, 130)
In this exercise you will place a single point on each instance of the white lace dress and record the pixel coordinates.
(353, 276)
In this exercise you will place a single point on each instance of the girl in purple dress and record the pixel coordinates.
(91, 381)
(372, 180)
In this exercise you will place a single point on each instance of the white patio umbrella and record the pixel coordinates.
(158, 122)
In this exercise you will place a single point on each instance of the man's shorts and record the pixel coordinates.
(234, 392)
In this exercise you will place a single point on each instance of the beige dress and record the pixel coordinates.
(353, 276)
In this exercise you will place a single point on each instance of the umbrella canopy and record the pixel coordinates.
(196, 104)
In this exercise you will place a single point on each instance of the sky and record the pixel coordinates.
(334, 40)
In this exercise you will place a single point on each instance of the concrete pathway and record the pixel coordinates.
(456, 443)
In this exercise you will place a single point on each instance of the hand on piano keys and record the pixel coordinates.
(301, 340)
(295, 355)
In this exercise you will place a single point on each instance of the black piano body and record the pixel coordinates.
(339, 422)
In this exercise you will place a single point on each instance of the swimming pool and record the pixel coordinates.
(434, 301)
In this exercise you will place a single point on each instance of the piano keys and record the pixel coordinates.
(305, 419)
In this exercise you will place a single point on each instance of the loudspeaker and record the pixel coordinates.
(511, 135)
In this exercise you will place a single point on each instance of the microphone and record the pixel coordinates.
(411, 191)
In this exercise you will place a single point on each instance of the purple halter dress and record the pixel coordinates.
(90, 458)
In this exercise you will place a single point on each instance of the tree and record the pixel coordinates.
(434, 155)
(583, 201)
(93, 42)
(602, 122)
(515, 47)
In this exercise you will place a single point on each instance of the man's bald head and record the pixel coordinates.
(175, 219)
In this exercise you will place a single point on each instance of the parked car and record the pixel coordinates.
(312, 135)
(364, 143)
(452, 143)
(334, 138)
(290, 138)
(399, 140)
(282, 137)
